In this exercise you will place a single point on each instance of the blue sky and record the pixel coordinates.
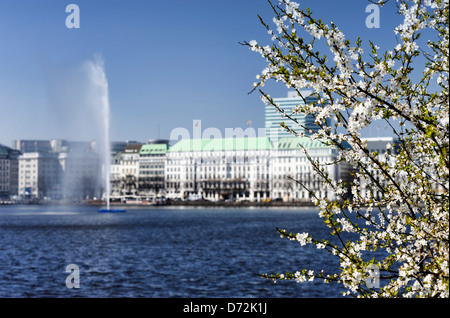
(167, 63)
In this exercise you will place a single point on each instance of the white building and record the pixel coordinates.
(290, 168)
(218, 169)
(57, 170)
(115, 176)
(152, 159)
(380, 146)
(129, 171)
(252, 169)
(39, 175)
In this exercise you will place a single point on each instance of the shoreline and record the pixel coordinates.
(204, 203)
(173, 203)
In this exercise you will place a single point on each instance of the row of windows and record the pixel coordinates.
(288, 169)
(149, 156)
(218, 168)
(219, 154)
(292, 159)
(212, 176)
(151, 167)
(152, 172)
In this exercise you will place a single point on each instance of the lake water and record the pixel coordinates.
(158, 252)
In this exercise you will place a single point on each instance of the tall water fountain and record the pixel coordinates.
(99, 81)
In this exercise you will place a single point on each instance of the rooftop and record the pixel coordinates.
(132, 148)
(153, 149)
(5, 151)
(222, 144)
(295, 142)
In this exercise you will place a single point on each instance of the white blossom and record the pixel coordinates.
(397, 194)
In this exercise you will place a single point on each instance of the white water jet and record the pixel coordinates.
(99, 81)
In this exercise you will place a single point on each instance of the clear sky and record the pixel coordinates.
(167, 62)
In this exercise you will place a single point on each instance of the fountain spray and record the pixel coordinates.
(100, 83)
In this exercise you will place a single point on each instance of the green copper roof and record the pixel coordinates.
(153, 149)
(295, 142)
(222, 144)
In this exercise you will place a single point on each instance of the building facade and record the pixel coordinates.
(39, 176)
(218, 169)
(236, 168)
(115, 176)
(230, 169)
(379, 145)
(249, 169)
(9, 172)
(273, 118)
(57, 169)
(129, 171)
(293, 177)
(152, 160)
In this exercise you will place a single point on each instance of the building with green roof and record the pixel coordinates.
(152, 160)
(222, 144)
(292, 171)
(137, 172)
(249, 168)
(219, 168)
(293, 143)
(153, 149)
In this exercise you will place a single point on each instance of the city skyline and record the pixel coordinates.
(166, 66)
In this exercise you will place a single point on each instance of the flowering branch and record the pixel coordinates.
(397, 203)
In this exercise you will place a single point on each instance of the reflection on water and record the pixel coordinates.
(157, 252)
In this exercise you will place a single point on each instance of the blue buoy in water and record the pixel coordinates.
(111, 210)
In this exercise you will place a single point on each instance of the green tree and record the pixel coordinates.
(398, 201)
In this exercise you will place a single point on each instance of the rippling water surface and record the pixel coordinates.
(157, 252)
